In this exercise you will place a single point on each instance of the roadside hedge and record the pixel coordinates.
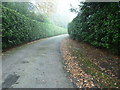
(27, 9)
(18, 29)
(98, 23)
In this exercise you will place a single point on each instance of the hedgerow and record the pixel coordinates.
(18, 29)
(98, 24)
(27, 9)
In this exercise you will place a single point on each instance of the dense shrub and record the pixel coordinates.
(27, 9)
(18, 29)
(98, 23)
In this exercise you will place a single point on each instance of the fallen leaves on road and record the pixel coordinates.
(76, 74)
(97, 63)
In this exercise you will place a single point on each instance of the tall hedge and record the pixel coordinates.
(18, 29)
(98, 23)
(27, 9)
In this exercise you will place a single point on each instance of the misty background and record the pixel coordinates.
(58, 11)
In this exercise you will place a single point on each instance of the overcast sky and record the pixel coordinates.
(62, 14)
(62, 7)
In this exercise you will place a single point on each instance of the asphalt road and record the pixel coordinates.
(38, 64)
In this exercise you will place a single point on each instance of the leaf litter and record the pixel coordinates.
(90, 67)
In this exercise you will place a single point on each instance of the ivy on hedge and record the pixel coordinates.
(18, 29)
(98, 23)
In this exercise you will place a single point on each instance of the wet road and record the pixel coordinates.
(38, 64)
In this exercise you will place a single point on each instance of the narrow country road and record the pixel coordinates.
(35, 65)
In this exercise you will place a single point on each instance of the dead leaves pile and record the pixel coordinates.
(77, 76)
(89, 67)
(105, 60)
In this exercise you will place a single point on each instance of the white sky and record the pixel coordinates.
(63, 7)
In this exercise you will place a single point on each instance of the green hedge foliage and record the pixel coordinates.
(98, 24)
(27, 9)
(18, 29)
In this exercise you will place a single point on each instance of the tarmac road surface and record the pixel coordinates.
(38, 64)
